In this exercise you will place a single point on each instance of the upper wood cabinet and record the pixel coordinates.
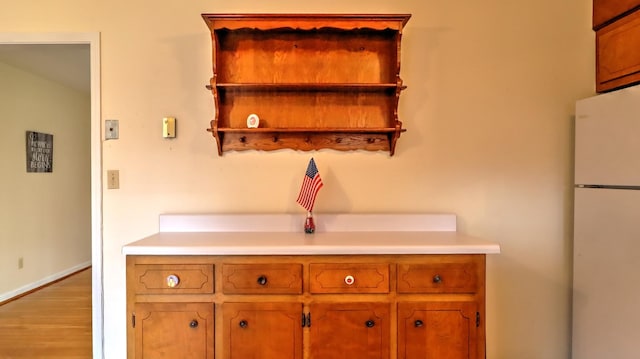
(617, 27)
(314, 81)
(606, 11)
(618, 53)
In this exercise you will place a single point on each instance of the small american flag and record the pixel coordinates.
(310, 186)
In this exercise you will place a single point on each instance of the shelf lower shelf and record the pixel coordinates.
(306, 139)
(309, 130)
(338, 87)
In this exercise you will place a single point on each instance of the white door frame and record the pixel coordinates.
(93, 40)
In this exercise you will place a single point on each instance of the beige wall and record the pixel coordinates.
(489, 104)
(44, 217)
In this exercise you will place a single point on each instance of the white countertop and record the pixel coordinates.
(290, 243)
(283, 235)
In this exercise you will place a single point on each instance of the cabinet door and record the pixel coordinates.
(607, 10)
(349, 330)
(618, 53)
(174, 330)
(437, 330)
(262, 330)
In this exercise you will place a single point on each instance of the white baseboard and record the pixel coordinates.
(43, 281)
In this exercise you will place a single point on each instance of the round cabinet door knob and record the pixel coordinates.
(193, 324)
(437, 278)
(243, 324)
(418, 323)
(262, 280)
(173, 281)
(370, 323)
(349, 280)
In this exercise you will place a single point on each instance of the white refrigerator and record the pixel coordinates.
(606, 247)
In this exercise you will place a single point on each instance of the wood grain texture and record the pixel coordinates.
(322, 73)
(331, 278)
(443, 330)
(54, 322)
(285, 278)
(191, 278)
(618, 54)
(174, 330)
(262, 330)
(607, 11)
(350, 330)
(337, 324)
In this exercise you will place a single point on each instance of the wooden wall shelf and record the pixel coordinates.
(315, 81)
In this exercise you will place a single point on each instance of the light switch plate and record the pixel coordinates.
(169, 127)
(111, 130)
(113, 179)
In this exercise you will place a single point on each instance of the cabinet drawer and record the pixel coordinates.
(262, 278)
(348, 278)
(174, 278)
(438, 278)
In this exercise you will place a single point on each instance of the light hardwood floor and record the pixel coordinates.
(53, 322)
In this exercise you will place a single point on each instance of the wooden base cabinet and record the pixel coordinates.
(306, 307)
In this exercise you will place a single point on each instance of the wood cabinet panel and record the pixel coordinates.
(618, 53)
(438, 278)
(348, 278)
(288, 55)
(262, 330)
(174, 330)
(331, 109)
(606, 11)
(349, 330)
(174, 278)
(262, 278)
(442, 330)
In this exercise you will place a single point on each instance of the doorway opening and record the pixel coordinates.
(91, 41)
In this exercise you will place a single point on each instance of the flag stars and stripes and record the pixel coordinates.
(310, 186)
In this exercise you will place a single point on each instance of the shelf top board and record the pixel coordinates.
(306, 21)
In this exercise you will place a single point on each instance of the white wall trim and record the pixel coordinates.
(93, 40)
(46, 280)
